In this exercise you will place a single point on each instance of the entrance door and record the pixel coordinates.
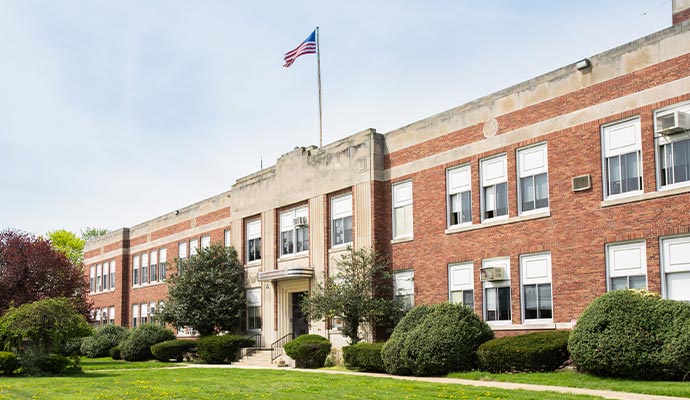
(299, 322)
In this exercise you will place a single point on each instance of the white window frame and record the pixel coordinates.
(615, 148)
(99, 277)
(532, 161)
(253, 232)
(153, 266)
(623, 262)
(341, 210)
(672, 266)
(111, 314)
(106, 277)
(535, 269)
(461, 279)
(497, 262)
(144, 313)
(227, 238)
(112, 274)
(254, 300)
(288, 227)
(402, 197)
(136, 273)
(144, 265)
(162, 264)
(661, 140)
(403, 286)
(206, 241)
(458, 182)
(193, 247)
(135, 315)
(153, 309)
(493, 172)
(92, 279)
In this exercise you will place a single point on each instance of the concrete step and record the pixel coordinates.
(257, 358)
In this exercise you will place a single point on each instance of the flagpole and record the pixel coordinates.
(318, 64)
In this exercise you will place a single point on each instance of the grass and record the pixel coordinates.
(107, 363)
(580, 380)
(193, 383)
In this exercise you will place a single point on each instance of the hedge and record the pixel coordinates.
(137, 345)
(172, 349)
(103, 339)
(633, 334)
(308, 351)
(115, 353)
(8, 362)
(221, 349)
(539, 351)
(364, 357)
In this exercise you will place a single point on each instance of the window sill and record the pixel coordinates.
(646, 196)
(492, 223)
(402, 240)
(340, 248)
(145, 285)
(288, 257)
(531, 326)
(255, 263)
(102, 292)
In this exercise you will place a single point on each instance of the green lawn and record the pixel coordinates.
(192, 383)
(579, 380)
(107, 363)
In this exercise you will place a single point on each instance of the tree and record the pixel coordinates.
(72, 245)
(31, 269)
(49, 323)
(92, 233)
(360, 292)
(209, 295)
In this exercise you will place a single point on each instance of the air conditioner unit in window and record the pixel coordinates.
(672, 122)
(488, 274)
(300, 221)
(582, 182)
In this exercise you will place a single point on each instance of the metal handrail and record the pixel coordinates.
(258, 344)
(277, 346)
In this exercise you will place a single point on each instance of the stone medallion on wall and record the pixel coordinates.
(490, 128)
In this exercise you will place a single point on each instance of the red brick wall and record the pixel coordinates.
(681, 16)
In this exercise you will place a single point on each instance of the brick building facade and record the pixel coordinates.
(525, 204)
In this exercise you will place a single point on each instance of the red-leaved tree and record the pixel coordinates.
(31, 269)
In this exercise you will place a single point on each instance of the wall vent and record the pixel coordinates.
(582, 182)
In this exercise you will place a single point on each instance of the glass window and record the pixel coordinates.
(622, 157)
(533, 177)
(535, 272)
(227, 238)
(459, 183)
(144, 267)
(461, 284)
(402, 210)
(99, 277)
(494, 180)
(135, 315)
(254, 309)
(403, 282)
(676, 268)
(163, 263)
(627, 265)
(341, 220)
(135, 270)
(153, 270)
(294, 231)
(111, 314)
(205, 242)
(193, 247)
(497, 305)
(92, 279)
(106, 276)
(112, 274)
(253, 231)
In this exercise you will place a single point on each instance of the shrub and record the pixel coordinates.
(34, 362)
(8, 362)
(221, 349)
(172, 349)
(55, 364)
(137, 345)
(72, 347)
(115, 353)
(434, 340)
(308, 351)
(103, 339)
(364, 357)
(633, 334)
(539, 351)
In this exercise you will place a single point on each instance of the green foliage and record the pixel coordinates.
(364, 357)
(434, 340)
(360, 292)
(633, 334)
(172, 349)
(69, 244)
(49, 323)
(115, 353)
(209, 295)
(539, 351)
(221, 349)
(137, 345)
(92, 233)
(34, 362)
(8, 362)
(103, 339)
(72, 347)
(308, 351)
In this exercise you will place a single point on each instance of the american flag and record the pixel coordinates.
(306, 47)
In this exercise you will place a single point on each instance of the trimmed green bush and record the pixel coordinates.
(308, 351)
(103, 339)
(8, 362)
(633, 334)
(364, 357)
(172, 349)
(434, 340)
(137, 345)
(56, 364)
(539, 351)
(221, 349)
(115, 353)
(34, 362)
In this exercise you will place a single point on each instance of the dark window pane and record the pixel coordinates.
(454, 201)
(504, 303)
(614, 174)
(544, 300)
(527, 193)
(501, 199)
(619, 283)
(468, 298)
(466, 206)
(638, 282)
(542, 190)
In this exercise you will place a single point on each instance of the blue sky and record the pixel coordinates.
(113, 113)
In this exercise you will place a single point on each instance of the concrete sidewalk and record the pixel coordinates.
(607, 394)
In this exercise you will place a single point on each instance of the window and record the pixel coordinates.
(135, 270)
(112, 274)
(294, 231)
(673, 146)
(403, 282)
(675, 257)
(135, 315)
(104, 316)
(622, 158)
(97, 313)
(205, 242)
(144, 313)
(535, 272)
(461, 284)
(181, 255)
(111, 313)
(227, 238)
(402, 210)
(254, 309)
(341, 220)
(152, 312)
(162, 263)
(92, 279)
(459, 183)
(253, 240)
(494, 179)
(533, 178)
(497, 293)
(626, 266)
(106, 277)
(153, 270)
(193, 247)
(144, 267)
(99, 269)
